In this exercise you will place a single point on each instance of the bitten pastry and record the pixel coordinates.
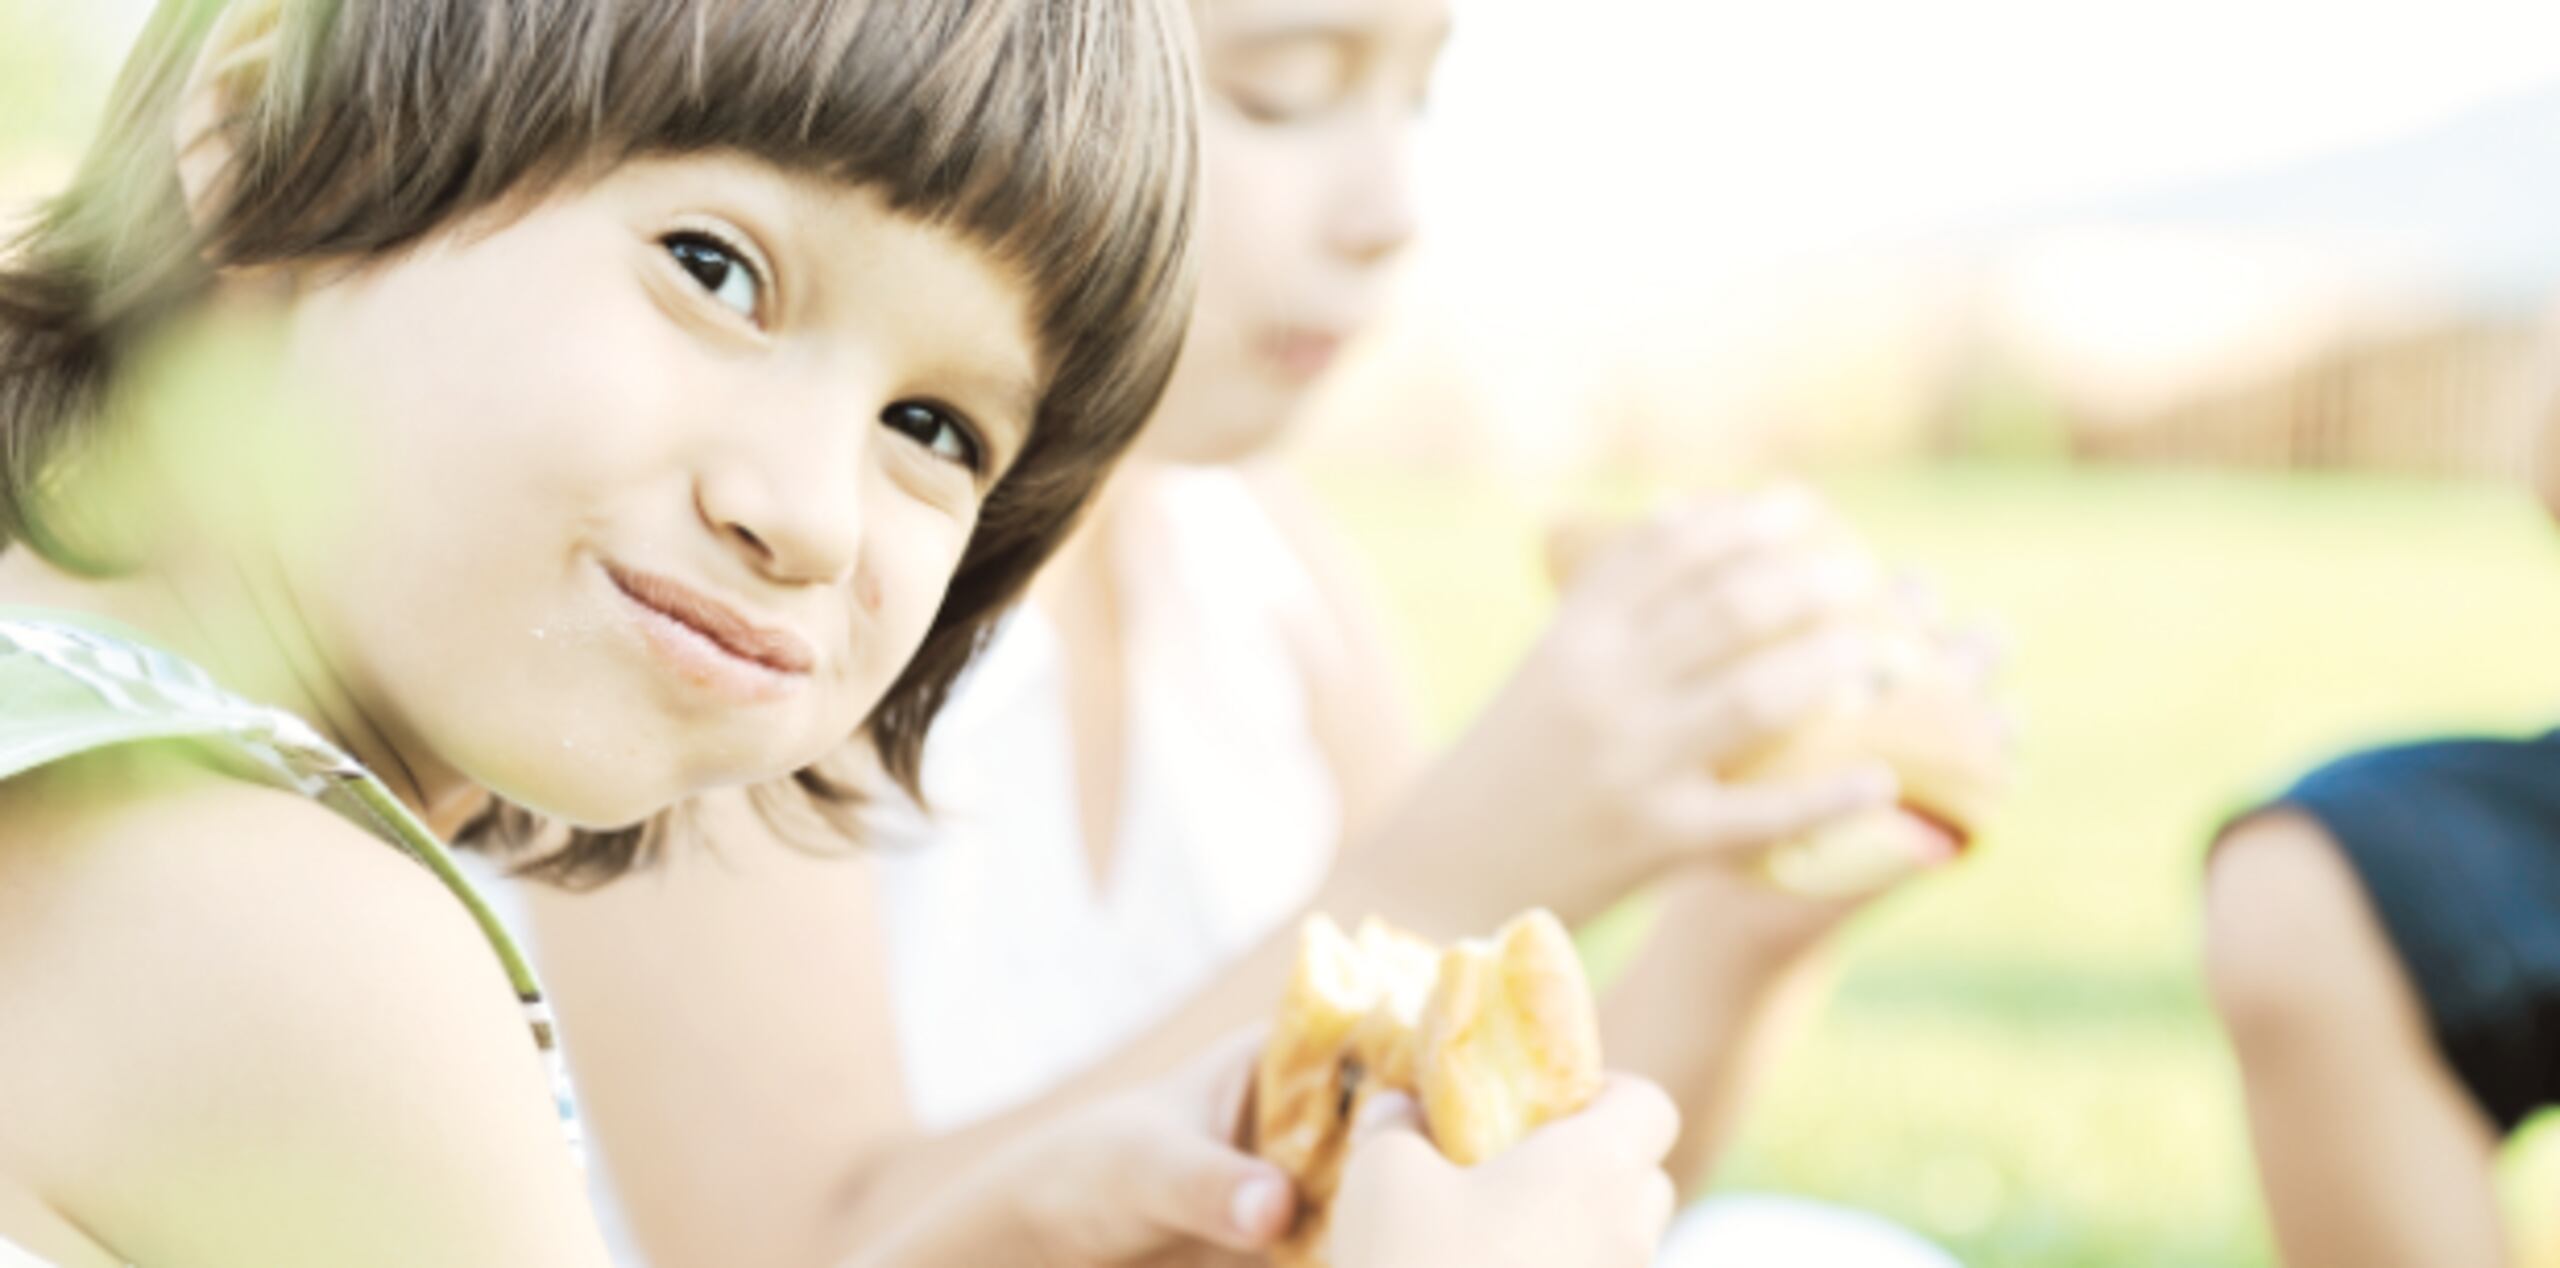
(1491, 1038)
(1350, 1008)
(1510, 1039)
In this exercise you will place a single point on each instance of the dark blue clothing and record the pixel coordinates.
(2458, 844)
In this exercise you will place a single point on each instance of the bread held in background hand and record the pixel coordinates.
(1926, 715)
(1492, 1038)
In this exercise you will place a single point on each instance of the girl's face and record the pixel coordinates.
(1311, 112)
(652, 488)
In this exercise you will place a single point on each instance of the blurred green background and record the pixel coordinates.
(2019, 1059)
(55, 56)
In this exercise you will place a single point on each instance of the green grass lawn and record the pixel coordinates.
(2019, 1060)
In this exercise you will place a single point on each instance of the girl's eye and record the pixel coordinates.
(1290, 80)
(942, 434)
(719, 269)
(1272, 111)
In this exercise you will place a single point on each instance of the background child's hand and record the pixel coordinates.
(1759, 920)
(1582, 1192)
(1681, 645)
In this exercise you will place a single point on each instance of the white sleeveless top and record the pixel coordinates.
(1009, 968)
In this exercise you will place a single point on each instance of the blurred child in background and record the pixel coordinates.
(1191, 736)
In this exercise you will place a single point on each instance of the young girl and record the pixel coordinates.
(592, 404)
(1148, 776)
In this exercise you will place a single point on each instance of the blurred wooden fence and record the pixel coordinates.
(2464, 399)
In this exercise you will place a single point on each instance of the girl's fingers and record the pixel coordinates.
(1768, 696)
(1632, 1121)
(1220, 1081)
(1382, 1113)
(1655, 1205)
(1679, 545)
(1975, 654)
(1387, 1130)
(1917, 599)
(1754, 603)
(1190, 1184)
(1720, 821)
(1687, 548)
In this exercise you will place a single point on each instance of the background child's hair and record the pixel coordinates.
(1059, 134)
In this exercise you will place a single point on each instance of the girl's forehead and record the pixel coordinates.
(1263, 19)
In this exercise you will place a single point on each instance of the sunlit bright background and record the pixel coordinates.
(2200, 344)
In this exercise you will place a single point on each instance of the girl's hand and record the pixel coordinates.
(1681, 645)
(1756, 920)
(1153, 1176)
(1582, 1192)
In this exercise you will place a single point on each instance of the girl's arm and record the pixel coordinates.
(1730, 971)
(273, 1042)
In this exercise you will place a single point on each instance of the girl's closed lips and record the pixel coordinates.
(710, 642)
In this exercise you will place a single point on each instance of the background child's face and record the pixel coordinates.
(656, 487)
(1311, 106)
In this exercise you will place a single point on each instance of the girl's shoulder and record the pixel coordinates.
(246, 997)
(144, 856)
(258, 993)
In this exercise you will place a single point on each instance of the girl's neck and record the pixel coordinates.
(243, 625)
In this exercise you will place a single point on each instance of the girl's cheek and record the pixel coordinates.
(913, 552)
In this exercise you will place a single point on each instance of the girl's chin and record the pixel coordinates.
(619, 771)
(610, 792)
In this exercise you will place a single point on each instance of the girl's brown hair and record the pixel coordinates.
(1058, 134)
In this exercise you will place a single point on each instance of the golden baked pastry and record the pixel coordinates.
(1491, 1039)
(1510, 1039)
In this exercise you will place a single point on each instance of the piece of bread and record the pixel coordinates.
(1924, 718)
(1491, 1039)
(1510, 1039)
(1350, 1008)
